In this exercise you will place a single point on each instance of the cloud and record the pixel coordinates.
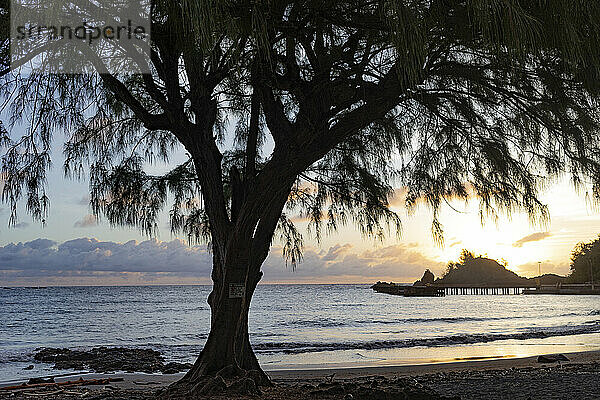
(88, 257)
(534, 237)
(21, 225)
(336, 251)
(399, 263)
(547, 267)
(91, 261)
(84, 201)
(86, 222)
(398, 199)
(40, 244)
(300, 218)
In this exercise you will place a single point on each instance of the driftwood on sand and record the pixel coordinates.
(51, 383)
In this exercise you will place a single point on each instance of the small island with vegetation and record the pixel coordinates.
(480, 272)
(483, 271)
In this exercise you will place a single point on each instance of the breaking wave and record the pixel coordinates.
(329, 322)
(539, 333)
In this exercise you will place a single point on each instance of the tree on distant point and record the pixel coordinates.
(465, 256)
(479, 270)
(585, 261)
(319, 109)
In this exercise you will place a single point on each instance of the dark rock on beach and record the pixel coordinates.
(175, 367)
(552, 358)
(377, 388)
(567, 381)
(36, 381)
(109, 359)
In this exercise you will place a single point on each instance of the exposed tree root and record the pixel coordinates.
(231, 380)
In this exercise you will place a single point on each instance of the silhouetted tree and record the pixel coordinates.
(479, 270)
(333, 102)
(465, 256)
(585, 261)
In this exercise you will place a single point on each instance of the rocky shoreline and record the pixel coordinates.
(109, 359)
(547, 377)
(558, 381)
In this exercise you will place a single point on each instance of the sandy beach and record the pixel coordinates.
(510, 378)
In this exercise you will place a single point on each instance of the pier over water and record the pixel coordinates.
(440, 290)
(563, 289)
(467, 289)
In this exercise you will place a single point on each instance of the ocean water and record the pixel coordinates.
(295, 326)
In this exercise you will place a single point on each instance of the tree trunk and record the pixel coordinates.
(228, 342)
(227, 362)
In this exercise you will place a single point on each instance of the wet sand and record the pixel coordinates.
(421, 369)
(509, 378)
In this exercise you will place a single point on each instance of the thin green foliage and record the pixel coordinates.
(491, 100)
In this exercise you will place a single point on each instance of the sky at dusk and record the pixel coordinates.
(76, 249)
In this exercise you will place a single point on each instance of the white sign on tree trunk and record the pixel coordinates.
(237, 290)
